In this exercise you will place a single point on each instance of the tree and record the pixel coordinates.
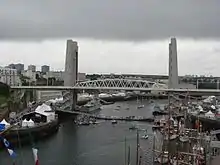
(4, 90)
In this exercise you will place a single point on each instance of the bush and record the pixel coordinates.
(4, 90)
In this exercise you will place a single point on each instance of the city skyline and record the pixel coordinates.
(151, 57)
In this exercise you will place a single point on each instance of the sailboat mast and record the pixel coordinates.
(125, 151)
(137, 148)
(153, 146)
(129, 156)
(169, 116)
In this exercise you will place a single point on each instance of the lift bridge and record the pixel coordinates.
(104, 84)
(118, 84)
(110, 84)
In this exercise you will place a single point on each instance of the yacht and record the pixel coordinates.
(93, 105)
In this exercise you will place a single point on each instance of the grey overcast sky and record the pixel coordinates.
(109, 19)
(134, 31)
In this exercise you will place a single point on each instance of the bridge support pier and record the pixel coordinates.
(73, 99)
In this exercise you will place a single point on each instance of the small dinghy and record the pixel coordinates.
(145, 137)
(114, 122)
(133, 127)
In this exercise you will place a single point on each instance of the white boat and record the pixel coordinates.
(140, 106)
(117, 109)
(114, 122)
(145, 137)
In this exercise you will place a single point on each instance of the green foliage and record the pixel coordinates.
(4, 90)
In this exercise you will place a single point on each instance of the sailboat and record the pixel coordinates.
(139, 106)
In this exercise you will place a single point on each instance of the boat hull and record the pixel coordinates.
(207, 123)
(31, 134)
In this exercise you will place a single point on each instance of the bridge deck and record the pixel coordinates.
(115, 88)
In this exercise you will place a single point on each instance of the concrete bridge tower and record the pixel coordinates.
(71, 69)
(173, 65)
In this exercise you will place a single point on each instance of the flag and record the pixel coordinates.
(9, 147)
(35, 156)
(2, 127)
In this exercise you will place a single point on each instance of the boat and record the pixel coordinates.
(140, 106)
(39, 124)
(117, 109)
(127, 108)
(172, 137)
(114, 122)
(145, 137)
(159, 112)
(163, 158)
(84, 123)
(133, 127)
(184, 138)
(91, 106)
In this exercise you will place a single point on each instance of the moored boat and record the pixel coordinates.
(38, 124)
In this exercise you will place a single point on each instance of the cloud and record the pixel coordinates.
(102, 56)
(109, 19)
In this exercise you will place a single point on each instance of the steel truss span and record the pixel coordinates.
(120, 83)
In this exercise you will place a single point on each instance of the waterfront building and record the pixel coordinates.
(60, 75)
(45, 69)
(19, 67)
(32, 68)
(42, 95)
(9, 76)
(30, 74)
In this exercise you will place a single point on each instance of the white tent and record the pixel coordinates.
(200, 108)
(24, 123)
(209, 99)
(42, 108)
(5, 123)
(210, 114)
(30, 123)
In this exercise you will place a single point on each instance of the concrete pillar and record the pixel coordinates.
(173, 65)
(71, 69)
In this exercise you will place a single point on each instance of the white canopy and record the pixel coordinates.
(210, 114)
(4, 122)
(200, 108)
(30, 123)
(42, 108)
(209, 99)
(213, 107)
(26, 123)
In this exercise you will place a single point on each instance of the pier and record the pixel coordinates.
(102, 117)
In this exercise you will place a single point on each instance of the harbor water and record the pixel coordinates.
(99, 144)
